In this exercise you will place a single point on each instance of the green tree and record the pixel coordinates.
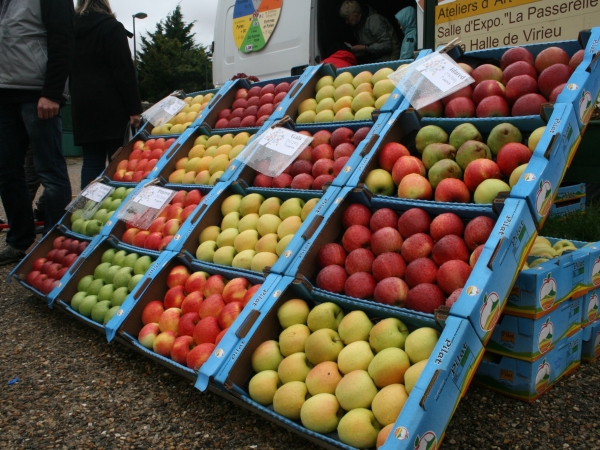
(170, 60)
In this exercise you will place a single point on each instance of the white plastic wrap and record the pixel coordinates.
(90, 199)
(141, 210)
(430, 78)
(163, 111)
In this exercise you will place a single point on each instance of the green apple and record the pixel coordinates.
(108, 255)
(211, 233)
(119, 258)
(99, 311)
(270, 206)
(263, 385)
(250, 204)
(119, 295)
(110, 313)
(355, 356)
(289, 398)
(380, 182)
(130, 260)
(420, 343)
(266, 356)
(231, 220)
(105, 292)
(294, 368)
(101, 215)
(355, 326)
(206, 251)
(388, 403)
(122, 277)
(262, 260)
(289, 226)
(515, 175)
(412, 374)
(291, 207)
(78, 226)
(100, 270)
(95, 286)
(77, 299)
(76, 215)
(246, 240)
(267, 224)
(390, 332)
(292, 339)
(110, 274)
(488, 190)
(92, 227)
(308, 207)
(120, 192)
(326, 315)
(134, 281)
(294, 311)
(248, 222)
(359, 428)
(283, 243)
(115, 204)
(243, 260)
(227, 237)
(323, 345)
(356, 390)
(388, 366)
(231, 204)
(321, 413)
(142, 265)
(224, 256)
(84, 283)
(323, 378)
(87, 304)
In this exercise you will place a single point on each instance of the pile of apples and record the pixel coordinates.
(519, 87)
(142, 159)
(319, 163)
(208, 159)
(457, 168)
(334, 371)
(195, 313)
(100, 295)
(252, 107)
(347, 97)
(180, 122)
(410, 260)
(46, 272)
(254, 231)
(91, 227)
(543, 250)
(166, 225)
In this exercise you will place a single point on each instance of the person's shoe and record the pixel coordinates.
(10, 255)
(38, 215)
(39, 229)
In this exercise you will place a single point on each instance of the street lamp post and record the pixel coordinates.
(140, 15)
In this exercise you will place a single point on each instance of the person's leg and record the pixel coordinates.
(94, 159)
(13, 188)
(31, 177)
(50, 164)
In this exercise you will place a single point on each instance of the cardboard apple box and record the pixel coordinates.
(569, 191)
(589, 307)
(559, 210)
(590, 349)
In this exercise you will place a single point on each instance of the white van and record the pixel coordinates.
(304, 33)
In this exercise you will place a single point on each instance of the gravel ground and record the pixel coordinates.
(77, 391)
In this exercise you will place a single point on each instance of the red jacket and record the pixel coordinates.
(341, 58)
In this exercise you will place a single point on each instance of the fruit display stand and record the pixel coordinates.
(39, 253)
(427, 409)
(589, 307)
(129, 331)
(487, 284)
(133, 150)
(526, 380)
(335, 144)
(227, 195)
(131, 287)
(183, 158)
(590, 348)
(216, 116)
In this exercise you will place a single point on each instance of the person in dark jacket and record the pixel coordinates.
(104, 90)
(377, 38)
(36, 48)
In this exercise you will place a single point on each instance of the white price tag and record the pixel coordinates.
(172, 105)
(97, 192)
(442, 72)
(154, 197)
(283, 141)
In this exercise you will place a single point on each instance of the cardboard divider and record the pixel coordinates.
(529, 339)
(489, 284)
(448, 373)
(131, 325)
(590, 347)
(226, 97)
(86, 265)
(210, 214)
(40, 249)
(525, 380)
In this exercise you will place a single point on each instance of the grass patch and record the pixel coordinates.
(580, 227)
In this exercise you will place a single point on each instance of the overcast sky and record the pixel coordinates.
(201, 11)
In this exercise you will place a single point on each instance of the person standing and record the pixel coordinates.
(377, 40)
(104, 90)
(36, 48)
(407, 19)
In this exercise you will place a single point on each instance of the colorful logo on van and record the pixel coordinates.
(545, 336)
(596, 272)
(592, 307)
(585, 106)
(547, 292)
(543, 198)
(542, 378)
(254, 22)
(489, 312)
(426, 442)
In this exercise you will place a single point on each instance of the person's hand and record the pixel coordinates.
(358, 48)
(135, 120)
(47, 108)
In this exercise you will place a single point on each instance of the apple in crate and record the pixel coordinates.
(90, 227)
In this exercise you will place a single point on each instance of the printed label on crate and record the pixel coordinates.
(490, 311)
(596, 272)
(592, 307)
(543, 198)
(274, 150)
(90, 200)
(542, 377)
(547, 294)
(545, 336)
(146, 206)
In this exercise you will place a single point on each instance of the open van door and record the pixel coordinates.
(272, 41)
